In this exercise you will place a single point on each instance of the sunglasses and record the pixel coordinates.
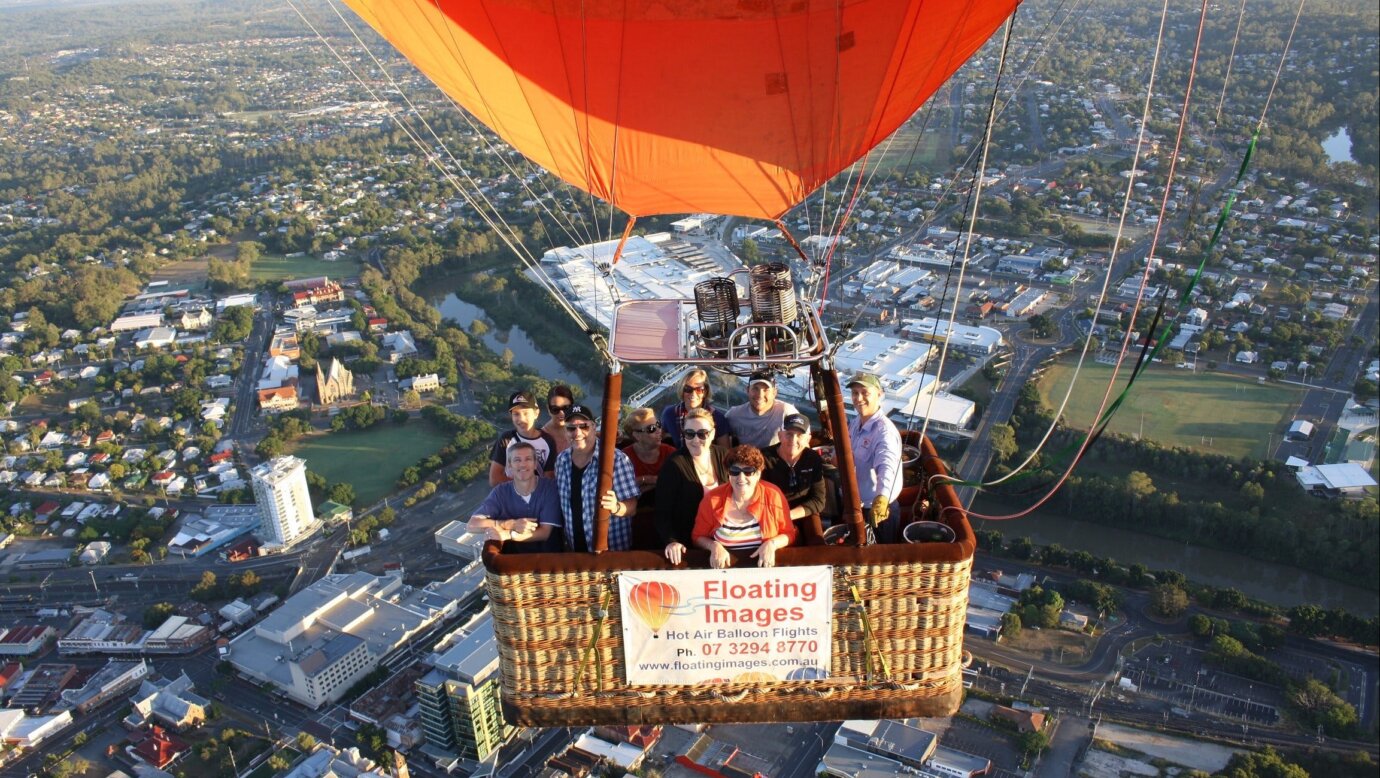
(574, 427)
(701, 434)
(692, 390)
(740, 470)
(557, 408)
(648, 429)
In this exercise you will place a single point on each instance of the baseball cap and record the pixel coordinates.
(582, 411)
(796, 422)
(762, 377)
(866, 379)
(521, 400)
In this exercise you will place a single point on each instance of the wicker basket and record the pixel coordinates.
(897, 634)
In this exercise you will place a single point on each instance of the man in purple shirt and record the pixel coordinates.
(525, 510)
(876, 445)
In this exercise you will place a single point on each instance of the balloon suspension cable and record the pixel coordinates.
(1226, 79)
(492, 218)
(1106, 279)
(1148, 354)
(976, 196)
(1019, 471)
(1034, 57)
(1104, 411)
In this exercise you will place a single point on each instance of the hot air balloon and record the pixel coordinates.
(653, 602)
(737, 107)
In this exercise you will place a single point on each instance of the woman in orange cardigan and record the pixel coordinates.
(745, 514)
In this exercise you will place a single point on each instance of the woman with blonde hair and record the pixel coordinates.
(648, 454)
(695, 393)
(694, 469)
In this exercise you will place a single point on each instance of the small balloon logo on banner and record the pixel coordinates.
(653, 602)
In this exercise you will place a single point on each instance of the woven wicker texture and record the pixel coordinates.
(546, 624)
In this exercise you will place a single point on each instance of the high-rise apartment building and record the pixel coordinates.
(459, 698)
(280, 489)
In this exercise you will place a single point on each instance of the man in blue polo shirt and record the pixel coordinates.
(525, 510)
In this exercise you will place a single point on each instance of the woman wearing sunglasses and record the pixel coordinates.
(694, 469)
(647, 454)
(559, 398)
(745, 514)
(694, 393)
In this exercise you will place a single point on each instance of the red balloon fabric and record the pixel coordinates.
(738, 107)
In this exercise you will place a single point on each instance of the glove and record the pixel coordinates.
(881, 509)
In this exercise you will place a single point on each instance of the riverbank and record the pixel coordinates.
(1276, 584)
(522, 319)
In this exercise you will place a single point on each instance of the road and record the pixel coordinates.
(1325, 401)
(246, 396)
(1026, 358)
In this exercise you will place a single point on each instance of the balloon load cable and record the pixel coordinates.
(1152, 346)
(1078, 448)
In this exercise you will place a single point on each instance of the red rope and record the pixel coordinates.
(1135, 310)
(838, 234)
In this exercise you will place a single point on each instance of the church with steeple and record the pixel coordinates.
(333, 383)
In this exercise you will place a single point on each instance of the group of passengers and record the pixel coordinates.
(742, 481)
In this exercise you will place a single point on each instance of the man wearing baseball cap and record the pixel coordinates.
(756, 422)
(796, 469)
(523, 410)
(876, 455)
(577, 479)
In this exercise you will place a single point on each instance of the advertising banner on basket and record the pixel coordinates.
(690, 627)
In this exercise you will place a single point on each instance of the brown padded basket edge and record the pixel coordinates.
(545, 615)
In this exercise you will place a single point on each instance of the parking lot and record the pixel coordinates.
(978, 740)
(1178, 675)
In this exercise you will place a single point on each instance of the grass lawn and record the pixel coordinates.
(1108, 228)
(370, 460)
(1206, 411)
(903, 152)
(276, 267)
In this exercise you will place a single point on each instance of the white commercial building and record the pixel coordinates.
(280, 490)
(656, 266)
(456, 539)
(137, 321)
(910, 393)
(978, 341)
(322, 640)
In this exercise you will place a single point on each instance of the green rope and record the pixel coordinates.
(588, 653)
(869, 639)
(1064, 455)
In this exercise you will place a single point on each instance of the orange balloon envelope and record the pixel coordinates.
(737, 107)
(653, 602)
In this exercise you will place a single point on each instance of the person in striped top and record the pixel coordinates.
(745, 514)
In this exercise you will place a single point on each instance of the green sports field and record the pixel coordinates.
(276, 267)
(370, 460)
(1204, 410)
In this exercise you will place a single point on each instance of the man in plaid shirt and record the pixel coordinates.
(577, 478)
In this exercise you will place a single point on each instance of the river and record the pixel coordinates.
(1277, 584)
(440, 292)
(1337, 146)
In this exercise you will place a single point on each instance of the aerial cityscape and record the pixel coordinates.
(1021, 425)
